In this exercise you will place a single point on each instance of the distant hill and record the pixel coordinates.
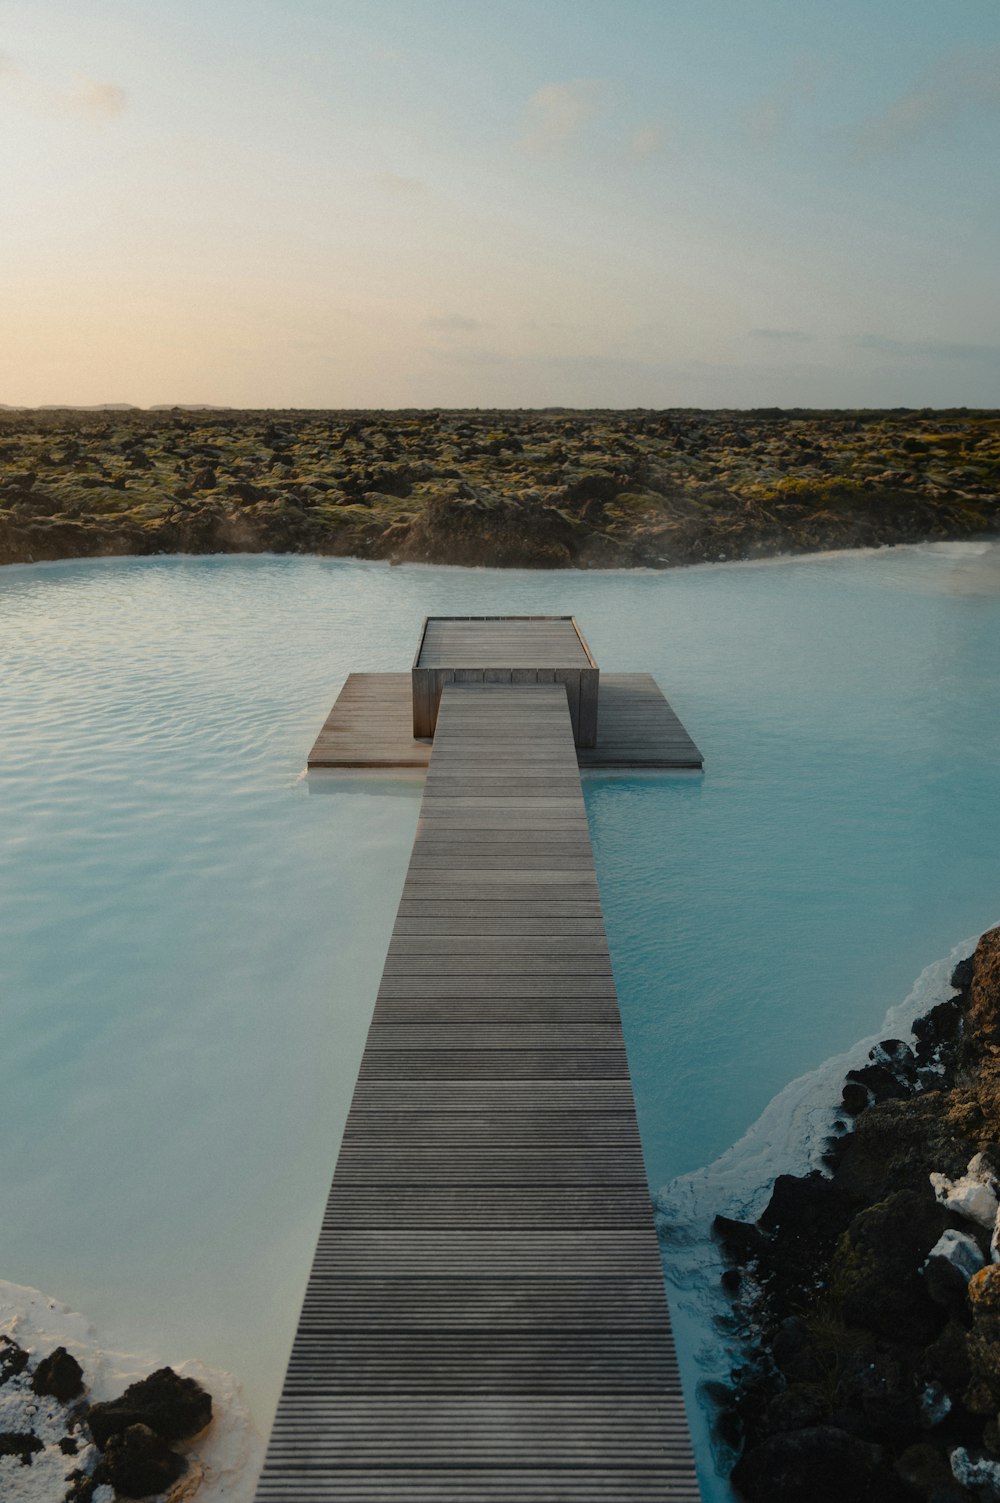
(113, 407)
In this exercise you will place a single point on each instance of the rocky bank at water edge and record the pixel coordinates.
(547, 489)
(869, 1295)
(80, 1423)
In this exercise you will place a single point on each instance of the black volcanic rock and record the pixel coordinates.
(818, 1463)
(138, 1463)
(60, 1375)
(175, 1408)
(13, 1359)
(876, 1272)
(20, 1443)
(890, 1338)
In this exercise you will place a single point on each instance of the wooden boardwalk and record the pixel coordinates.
(485, 1321)
(505, 650)
(371, 726)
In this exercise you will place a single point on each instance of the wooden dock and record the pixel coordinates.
(505, 650)
(485, 1321)
(371, 726)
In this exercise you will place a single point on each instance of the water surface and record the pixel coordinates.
(192, 942)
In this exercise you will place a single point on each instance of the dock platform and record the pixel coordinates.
(485, 1321)
(371, 726)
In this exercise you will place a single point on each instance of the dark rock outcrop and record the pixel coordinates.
(174, 1408)
(875, 1273)
(138, 1463)
(819, 1463)
(871, 1301)
(59, 1375)
(20, 1443)
(13, 1359)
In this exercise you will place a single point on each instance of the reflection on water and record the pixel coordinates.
(345, 781)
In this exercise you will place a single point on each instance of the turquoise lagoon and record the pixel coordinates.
(192, 939)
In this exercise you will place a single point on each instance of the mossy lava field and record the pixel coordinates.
(544, 489)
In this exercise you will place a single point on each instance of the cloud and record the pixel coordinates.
(967, 81)
(557, 112)
(647, 140)
(767, 120)
(92, 98)
(926, 349)
(96, 100)
(454, 323)
(398, 183)
(796, 336)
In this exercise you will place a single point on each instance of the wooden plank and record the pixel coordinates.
(372, 725)
(497, 1009)
(486, 944)
(628, 1362)
(459, 1485)
(501, 1128)
(485, 1317)
(500, 1206)
(426, 1304)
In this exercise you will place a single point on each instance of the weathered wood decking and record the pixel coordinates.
(505, 649)
(371, 725)
(485, 1318)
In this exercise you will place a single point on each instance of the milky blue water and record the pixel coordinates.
(192, 938)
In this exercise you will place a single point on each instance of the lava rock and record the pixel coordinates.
(925, 1469)
(984, 990)
(897, 1057)
(876, 1395)
(983, 1393)
(740, 1240)
(855, 1097)
(13, 1359)
(21, 1444)
(82, 1487)
(946, 1361)
(795, 1408)
(818, 1462)
(174, 1408)
(894, 1145)
(937, 1027)
(60, 1375)
(794, 1353)
(810, 1207)
(883, 1083)
(951, 1262)
(876, 1268)
(138, 1463)
(961, 976)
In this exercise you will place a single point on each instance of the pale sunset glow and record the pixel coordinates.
(403, 203)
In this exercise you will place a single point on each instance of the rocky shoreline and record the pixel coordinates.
(81, 1423)
(126, 1447)
(869, 1296)
(541, 489)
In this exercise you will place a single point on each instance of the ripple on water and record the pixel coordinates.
(192, 941)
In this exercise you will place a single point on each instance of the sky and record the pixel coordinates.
(513, 203)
